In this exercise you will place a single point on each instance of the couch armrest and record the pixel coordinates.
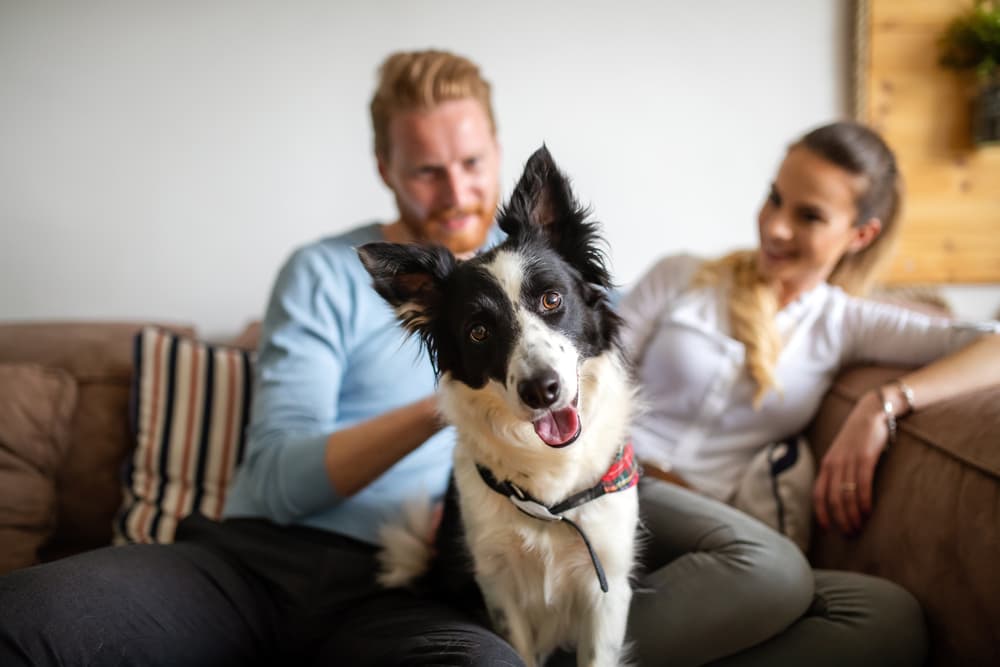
(935, 525)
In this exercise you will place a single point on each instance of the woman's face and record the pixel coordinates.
(808, 221)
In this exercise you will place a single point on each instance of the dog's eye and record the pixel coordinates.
(478, 333)
(551, 300)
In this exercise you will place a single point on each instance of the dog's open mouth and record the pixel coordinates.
(558, 428)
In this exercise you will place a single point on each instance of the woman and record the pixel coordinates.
(738, 352)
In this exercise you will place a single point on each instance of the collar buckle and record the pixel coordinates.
(535, 509)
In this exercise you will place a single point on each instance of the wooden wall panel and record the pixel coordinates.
(951, 222)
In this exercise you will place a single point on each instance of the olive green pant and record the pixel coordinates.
(718, 587)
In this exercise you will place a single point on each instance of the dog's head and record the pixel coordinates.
(519, 320)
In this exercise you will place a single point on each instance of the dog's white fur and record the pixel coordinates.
(536, 576)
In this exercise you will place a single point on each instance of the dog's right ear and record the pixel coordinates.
(543, 202)
(542, 198)
(410, 278)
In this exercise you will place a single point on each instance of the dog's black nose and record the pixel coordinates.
(540, 391)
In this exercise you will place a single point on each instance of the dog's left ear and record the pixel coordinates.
(542, 197)
(410, 278)
(544, 200)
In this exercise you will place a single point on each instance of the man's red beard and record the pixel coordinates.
(469, 239)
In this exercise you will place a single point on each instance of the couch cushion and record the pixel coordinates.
(36, 406)
(99, 356)
(191, 402)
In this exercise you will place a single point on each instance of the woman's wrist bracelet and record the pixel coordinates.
(890, 414)
(907, 393)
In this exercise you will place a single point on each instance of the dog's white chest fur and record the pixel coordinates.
(537, 576)
(543, 570)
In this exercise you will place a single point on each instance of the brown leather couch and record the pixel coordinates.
(935, 528)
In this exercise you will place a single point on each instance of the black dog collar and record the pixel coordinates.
(622, 474)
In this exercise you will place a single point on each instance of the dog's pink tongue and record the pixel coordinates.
(556, 428)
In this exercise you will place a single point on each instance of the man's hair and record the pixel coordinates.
(421, 80)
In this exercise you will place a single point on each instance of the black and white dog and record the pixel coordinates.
(530, 375)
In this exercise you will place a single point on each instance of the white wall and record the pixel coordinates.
(159, 160)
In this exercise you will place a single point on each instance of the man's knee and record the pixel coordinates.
(149, 602)
(482, 648)
(453, 643)
(31, 615)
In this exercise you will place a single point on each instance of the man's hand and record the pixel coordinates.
(843, 491)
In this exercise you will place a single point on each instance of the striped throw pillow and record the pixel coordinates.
(190, 403)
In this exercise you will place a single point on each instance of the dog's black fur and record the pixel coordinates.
(542, 220)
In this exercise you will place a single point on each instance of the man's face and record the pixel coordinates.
(443, 167)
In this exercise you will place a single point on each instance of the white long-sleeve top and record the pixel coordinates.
(699, 419)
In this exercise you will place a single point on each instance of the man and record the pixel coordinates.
(343, 432)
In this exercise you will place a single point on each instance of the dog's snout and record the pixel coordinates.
(540, 391)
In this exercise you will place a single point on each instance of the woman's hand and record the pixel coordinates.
(843, 491)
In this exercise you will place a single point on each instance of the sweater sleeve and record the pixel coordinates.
(301, 362)
(643, 305)
(883, 333)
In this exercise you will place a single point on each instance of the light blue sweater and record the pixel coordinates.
(332, 355)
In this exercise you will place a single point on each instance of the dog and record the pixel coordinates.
(530, 373)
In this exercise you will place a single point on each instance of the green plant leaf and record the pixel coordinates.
(971, 41)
